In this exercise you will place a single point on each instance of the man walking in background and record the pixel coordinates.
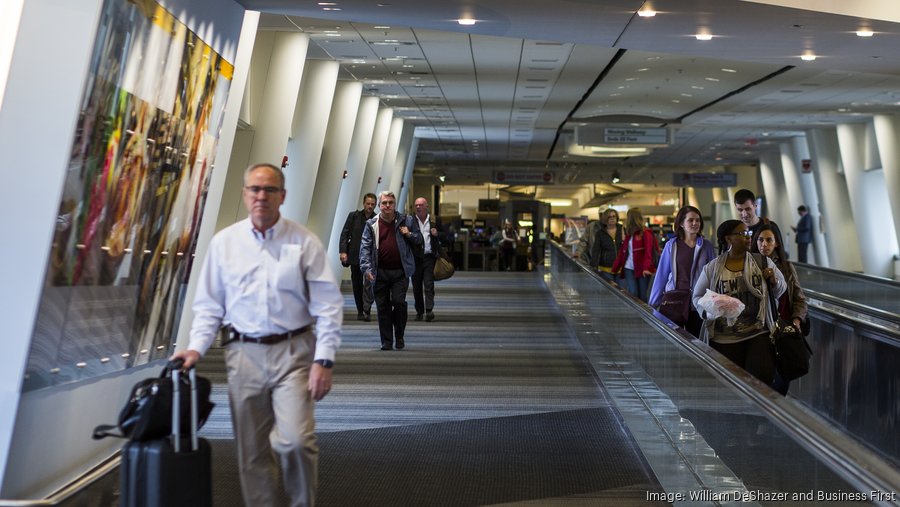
(745, 203)
(267, 281)
(423, 278)
(804, 233)
(351, 236)
(386, 259)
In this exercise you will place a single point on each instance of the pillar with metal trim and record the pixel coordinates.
(404, 152)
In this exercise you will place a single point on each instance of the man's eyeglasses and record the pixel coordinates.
(746, 234)
(255, 189)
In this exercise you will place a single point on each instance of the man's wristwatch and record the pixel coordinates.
(325, 363)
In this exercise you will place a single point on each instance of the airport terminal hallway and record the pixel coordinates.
(492, 403)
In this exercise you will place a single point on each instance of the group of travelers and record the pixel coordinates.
(751, 262)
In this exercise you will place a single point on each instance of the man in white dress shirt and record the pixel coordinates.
(423, 278)
(267, 281)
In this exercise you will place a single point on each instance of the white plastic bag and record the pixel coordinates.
(717, 305)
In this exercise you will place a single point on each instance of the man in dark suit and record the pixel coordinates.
(804, 233)
(351, 235)
(423, 278)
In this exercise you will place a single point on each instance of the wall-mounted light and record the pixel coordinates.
(345, 175)
(616, 176)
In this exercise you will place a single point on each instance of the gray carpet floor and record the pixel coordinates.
(492, 403)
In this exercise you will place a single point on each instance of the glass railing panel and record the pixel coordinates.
(733, 447)
(868, 291)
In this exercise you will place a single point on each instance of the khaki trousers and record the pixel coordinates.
(274, 421)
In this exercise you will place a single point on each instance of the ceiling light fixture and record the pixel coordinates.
(616, 176)
(729, 70)
(647, 13)
(865, 32)
(466, 21)
(703, 36)
(809, 57)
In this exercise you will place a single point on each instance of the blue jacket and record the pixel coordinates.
(368, 247)
(665, 277)
(804, 229)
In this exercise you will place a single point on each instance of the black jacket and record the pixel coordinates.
(351, 235)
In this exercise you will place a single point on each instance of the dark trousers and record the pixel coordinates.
(361, 294)
(390, 298)
(423, 284)
(756, 355)
(802, 248)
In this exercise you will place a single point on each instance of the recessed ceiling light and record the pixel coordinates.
(643, 69)
(331, 8)
(729, 70)
(703, 36)
(647, 13)
(808, 57)
(466, 21)
(714, 80)
(381, 27)
(327, 3)
(865, 32)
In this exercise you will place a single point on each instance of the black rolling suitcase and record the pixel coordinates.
(172, 471)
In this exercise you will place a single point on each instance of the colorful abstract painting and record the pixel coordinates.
(142, 156)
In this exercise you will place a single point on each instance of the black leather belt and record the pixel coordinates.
(235, 336)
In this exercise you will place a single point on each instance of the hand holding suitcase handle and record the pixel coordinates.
(187, 358)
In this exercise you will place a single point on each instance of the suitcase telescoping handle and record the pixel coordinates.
(176, 409)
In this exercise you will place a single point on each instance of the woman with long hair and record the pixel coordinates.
(735, 273)
(600, 243)
(508, 242)
(792, 305)
(635, 259)
(680, 265)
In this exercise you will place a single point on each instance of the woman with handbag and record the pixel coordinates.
(678, 270)
(508, 242)
(634, 262)
(792, 305)
(745, 340)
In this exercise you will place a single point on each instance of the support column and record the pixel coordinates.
(276, 71)
(408, 170)
(377, 150)
(334, 159)
(304, 149)
(348, 199)
(868, 197)
(802, 190)
(887, 132)
(224, 169)
(836, 221)
(390, 156)
(772, 172)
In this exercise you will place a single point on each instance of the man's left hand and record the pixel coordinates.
(319, 381)
(433, 231)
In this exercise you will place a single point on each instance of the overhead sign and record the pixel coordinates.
(704, 180)
(524, 178)
(634, 135)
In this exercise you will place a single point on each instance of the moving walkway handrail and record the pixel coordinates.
(850, 274)
(847, 457)
(883, 321)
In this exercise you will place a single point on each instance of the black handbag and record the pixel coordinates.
(792, 352)
(676, 305)
(147, 414)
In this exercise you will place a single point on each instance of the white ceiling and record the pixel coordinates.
(507, 92)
